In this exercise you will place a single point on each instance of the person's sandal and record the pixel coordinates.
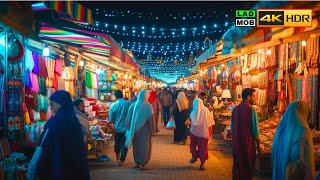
(121, 163)
(192, 161)
(202, 167)
(137, 166)
(143, 167)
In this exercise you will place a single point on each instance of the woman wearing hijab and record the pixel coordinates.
(181, 114)
(200, 132)
(156, 106)
(64, 156)
(292, 149)
(140, 131)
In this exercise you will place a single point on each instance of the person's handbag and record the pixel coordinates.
(171, 124)
(33, 164)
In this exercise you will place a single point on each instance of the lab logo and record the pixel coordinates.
(284, 18)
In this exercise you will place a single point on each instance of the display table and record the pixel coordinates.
(101, 141)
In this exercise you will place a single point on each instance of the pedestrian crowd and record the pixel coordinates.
(64, 154)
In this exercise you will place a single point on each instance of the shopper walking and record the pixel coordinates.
(117, 115)
(140, 130)
(200, 132)
(166, 102)
(181, 114)
(245, 136)
(292, 149)
(156, 106)
(63, 156)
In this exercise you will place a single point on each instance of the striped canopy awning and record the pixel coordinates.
(91, 42)
(68, 10)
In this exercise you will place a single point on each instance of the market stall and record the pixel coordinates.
(283, 66)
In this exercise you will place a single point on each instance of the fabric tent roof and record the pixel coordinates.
(68, 10)
(88, 40)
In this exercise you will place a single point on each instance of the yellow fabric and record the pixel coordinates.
(182, 101)
(27, 117)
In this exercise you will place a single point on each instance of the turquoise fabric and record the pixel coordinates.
(286, 147)
(255, 129)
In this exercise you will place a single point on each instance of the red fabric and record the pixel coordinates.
(153, 96)
(55, 81)
(243, 144)
(29, 98)
(202, 150)
(42, 66)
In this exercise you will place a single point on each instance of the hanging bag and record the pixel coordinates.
(32, 167)
(171, 124)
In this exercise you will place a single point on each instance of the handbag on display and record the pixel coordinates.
(171, 124)
(32, 167)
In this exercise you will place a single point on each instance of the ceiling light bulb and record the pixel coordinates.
(259, 51)
(304, 43)
(81, 63)
(269, 52)
(46, 51)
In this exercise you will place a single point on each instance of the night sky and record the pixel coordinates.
(166, 31)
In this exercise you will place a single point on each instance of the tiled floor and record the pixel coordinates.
(170, 161)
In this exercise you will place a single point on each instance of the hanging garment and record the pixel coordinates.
(314, 61)
(29, 60)
(30, 98)
(271, 58)
(42, 85)
(239, 92)
(61, 85)
(35, 83)
(94, 81)
(309, 51)
(42, 66)
(293, 46)
(55, 81)
(97, 81)
(88, 80)
(28, 80)
(50, 67)
(58, 67)
(42, 103)
(299, 89)
(305, 89)
(36, 66)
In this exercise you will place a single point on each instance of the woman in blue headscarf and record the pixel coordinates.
(292, 149)
(64, 156)
(141, 129)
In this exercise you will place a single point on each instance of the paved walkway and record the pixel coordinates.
(170, 161)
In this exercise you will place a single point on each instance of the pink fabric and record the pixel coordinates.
(199, 147)
(58, 67)
(35, 83)
(98, 85)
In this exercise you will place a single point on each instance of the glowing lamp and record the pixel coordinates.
(46, 51)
